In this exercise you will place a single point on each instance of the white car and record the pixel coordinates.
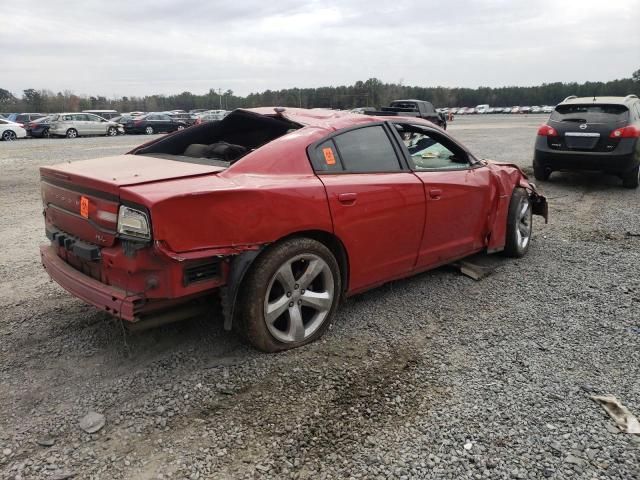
(547, 109)
(11, 130)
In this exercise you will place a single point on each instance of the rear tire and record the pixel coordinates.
(631, 179)
(9, 135)
(519, 224)
(72, 133)
(149, 130)
(289, 296)
(541, 173)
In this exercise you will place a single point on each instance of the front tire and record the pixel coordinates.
(519, 224)
(72, 133)
(112, 132)
(149, 130)
(631, 179)
(289, 296)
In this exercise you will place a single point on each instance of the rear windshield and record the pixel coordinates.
(593, 113)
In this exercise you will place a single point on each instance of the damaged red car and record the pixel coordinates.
(278, 213)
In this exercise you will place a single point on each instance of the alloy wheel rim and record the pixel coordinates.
(8, 135)
(149, 130)
(523, 224)
(299, 298)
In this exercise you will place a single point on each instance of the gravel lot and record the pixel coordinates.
(437, 376)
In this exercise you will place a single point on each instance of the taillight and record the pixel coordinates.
(547, 131)
(630, 131)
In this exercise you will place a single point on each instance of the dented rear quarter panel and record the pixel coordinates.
(269, 194)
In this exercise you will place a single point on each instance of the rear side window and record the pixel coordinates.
(326, 158)
(367, 149)
(591, 113)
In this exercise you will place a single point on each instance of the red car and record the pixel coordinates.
(279, 213)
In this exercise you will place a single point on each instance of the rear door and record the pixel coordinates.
(376, 203)
(587, 127)
(168, 125)
(81, 123)
(95, 124)
(458, 195)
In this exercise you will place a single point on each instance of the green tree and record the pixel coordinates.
(6, 96)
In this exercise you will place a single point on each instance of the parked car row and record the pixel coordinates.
(100, 122)
(484, 109)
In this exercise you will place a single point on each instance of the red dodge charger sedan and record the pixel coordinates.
(278, 213)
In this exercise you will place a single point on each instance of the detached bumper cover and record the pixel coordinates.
(110, 299)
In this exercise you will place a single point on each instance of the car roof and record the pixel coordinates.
(573, 100)
(409, 100)
(329, 119)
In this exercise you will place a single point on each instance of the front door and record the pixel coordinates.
(458, 196)
(377, 205)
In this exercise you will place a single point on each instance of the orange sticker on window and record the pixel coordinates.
(84, 207)
(328, 156)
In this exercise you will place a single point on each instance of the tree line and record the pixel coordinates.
(369, 93)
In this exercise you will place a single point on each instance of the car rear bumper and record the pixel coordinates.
(611, 162)
(110, 299)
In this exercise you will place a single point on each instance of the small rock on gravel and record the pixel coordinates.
(92, 422)
(46, 442)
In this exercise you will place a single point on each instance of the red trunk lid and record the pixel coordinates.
(82, 198)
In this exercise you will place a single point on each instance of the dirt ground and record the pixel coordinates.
(436, 376)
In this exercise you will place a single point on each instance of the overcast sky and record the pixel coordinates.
(140, 47)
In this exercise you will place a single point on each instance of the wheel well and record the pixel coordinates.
(243, 263)
(334, 244)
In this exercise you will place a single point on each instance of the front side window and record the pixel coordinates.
(429, 151)
(367, 149)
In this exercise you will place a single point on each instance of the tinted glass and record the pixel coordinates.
(592, 113)
(367, 150)
(326, 158)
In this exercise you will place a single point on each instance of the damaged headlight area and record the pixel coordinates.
(133, 223)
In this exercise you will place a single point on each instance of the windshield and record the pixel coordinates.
(592, 113)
